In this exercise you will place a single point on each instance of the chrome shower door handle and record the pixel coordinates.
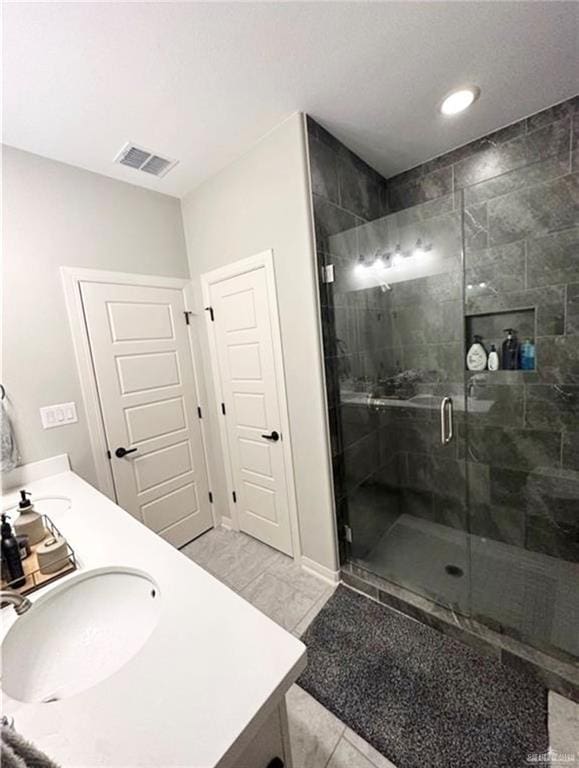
(443, 420)
(446, 421)
(450, 412)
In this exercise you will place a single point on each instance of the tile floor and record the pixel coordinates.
(291, 597)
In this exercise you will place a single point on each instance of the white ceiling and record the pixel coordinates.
(202, 82)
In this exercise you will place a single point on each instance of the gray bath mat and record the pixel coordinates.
(419, 697)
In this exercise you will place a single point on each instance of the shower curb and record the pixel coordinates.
(554, 673)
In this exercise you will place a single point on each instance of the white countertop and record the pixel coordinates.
(203, 683)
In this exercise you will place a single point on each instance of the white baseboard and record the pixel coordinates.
(36, 470)
(332, 577)
(226, 523)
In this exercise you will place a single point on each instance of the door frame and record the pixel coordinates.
(264, 259)
(72, 277)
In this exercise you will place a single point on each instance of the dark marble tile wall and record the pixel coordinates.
(340, 178)
(521, 197)
(347, 193)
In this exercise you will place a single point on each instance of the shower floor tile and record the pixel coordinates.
(527, 591)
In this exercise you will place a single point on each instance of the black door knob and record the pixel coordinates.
(274, 437)
(120, 452)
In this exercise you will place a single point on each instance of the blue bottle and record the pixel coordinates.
(528, 356)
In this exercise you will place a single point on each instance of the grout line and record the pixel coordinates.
(365, 757)
(320, 601)
(571, 134)
(249, 583)
(314, 603)
(340, 207)
(341, 736)
(223, 577)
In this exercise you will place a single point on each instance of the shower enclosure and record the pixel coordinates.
(459, 486)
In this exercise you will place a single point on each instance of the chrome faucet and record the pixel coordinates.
(11, 597)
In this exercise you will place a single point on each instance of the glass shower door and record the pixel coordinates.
(523, 437)
(399, 324)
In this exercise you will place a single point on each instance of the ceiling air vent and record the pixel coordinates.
(144, 160)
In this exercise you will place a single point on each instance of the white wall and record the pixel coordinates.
(260, 202)
(58, 215)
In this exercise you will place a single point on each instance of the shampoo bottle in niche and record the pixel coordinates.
(29, 522)
(510, 351)
(527, 355)
(494, 362)
(476, 359)
(11, 554)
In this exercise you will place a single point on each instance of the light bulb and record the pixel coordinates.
(397, 257)
(419, 250)
(360, 267)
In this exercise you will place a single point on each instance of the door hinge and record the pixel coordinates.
(210, 497)
(223, 408)
(211, 313)
(199, 412)
(109, 455)
(348, 533)
(234, 497)
(187, 314)
(328, 273)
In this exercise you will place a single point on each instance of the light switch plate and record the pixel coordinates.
(58, 415)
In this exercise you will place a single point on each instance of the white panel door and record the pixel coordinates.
(144, 372)
(247, 372)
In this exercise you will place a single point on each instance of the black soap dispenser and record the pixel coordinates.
(510, 354)
(11, 554)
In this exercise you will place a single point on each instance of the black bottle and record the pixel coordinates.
(11, 554)
(510, 356)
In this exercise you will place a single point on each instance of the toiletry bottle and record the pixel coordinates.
(29, 522)
(528, 355)
(4, 567)
(494, 363)
(23, 546)
(476, 359)
(510, 351)
(11, 554)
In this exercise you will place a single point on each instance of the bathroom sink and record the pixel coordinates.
(79, 634)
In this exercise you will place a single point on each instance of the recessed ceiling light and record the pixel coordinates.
(459, 100)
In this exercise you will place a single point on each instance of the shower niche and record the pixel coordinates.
(492, 327)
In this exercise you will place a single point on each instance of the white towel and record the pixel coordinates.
(9, 457)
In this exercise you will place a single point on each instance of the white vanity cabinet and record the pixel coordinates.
(214, 671)
(271, 746)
